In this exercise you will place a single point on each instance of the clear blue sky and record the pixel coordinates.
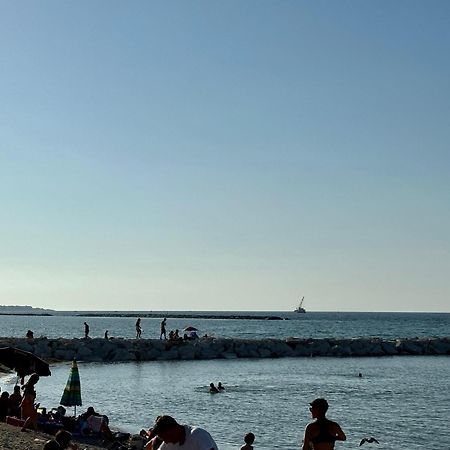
(225, 155)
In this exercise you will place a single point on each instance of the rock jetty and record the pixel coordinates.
(118, 349)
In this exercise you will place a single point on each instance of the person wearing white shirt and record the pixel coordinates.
(182, 437)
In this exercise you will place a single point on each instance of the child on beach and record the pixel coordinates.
(249, 438)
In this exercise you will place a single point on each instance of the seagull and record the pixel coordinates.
(370, 440)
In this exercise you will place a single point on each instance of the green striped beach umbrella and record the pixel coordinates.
(72, 392)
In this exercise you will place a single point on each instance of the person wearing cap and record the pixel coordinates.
(322, 433)
(176, 436)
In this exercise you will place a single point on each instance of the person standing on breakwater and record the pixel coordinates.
(163, 329)
(322, 433)
(176, 436)
(86, 330)
(138, 328)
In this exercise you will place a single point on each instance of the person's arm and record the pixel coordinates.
(307, 438)
(340, 435)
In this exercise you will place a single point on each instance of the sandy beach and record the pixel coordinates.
(11, 438)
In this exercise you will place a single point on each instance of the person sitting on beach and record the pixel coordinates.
(62, 440)
(171, 333)
(27, 407)
(322, 433)
(30, 334)
(220, 386)
(4, 406)
(249, 438)
(152, 441)
(14, 401)
(93, 422)
(213, 389)
(175, 435)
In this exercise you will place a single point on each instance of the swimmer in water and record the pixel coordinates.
(213, 389)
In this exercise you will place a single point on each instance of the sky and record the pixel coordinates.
(236, 155)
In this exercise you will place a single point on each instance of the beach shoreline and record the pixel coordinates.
(12, 438)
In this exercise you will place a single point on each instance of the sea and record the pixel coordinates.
(402, 401)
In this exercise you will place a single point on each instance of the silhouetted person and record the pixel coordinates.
(322, 433)
(213, 389)
(138, 328)
(15, 399)
(249, 438)
(220, 386)
(106, 334)
(30, 334)
(163, 329)
(61, 441)
(86, 330)
(4, 406)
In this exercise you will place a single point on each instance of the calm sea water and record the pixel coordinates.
(385, 325)
(402, 401)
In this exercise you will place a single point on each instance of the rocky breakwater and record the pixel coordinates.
(117, 349)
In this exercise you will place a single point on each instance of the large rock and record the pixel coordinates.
(186, 352)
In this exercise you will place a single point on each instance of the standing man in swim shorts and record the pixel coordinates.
(163, 329)
(138, 328)
(322, 433)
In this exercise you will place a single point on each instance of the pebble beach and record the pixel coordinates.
(11, 438)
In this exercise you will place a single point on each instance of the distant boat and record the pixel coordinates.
(300, 308)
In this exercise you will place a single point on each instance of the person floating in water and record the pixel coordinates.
(138, 328)
(322, 433)
(249, 438)
(220, 386)
(213, 389)
(86, 330)
(163, 329)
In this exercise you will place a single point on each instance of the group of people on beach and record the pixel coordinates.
(166, 434)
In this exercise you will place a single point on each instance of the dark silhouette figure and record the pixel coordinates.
(106, 334)
(322, 433)
(249, 438)
(138, 328)
(86, 330)
(61, 441)
(163, 329)
(213, 389)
